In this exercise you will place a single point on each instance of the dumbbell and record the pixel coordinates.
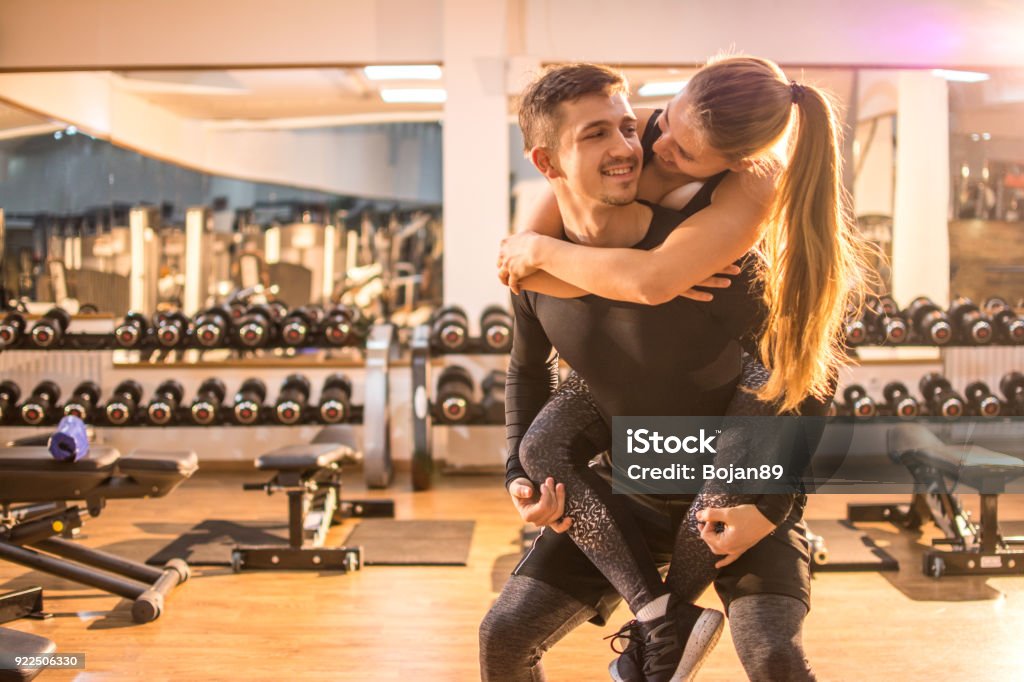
(292, 399)
(1012, 387)
(10, 393)
(49, 331)
(496, 329)
(124, 403)
(247, 407)
(12, 328)
(899, 402)
(163, 406)
(256, 328)
(856, 328)
(450, 330)
(339, 327)
(455, 394)
(981, 401)
(212, 327)
(38, 407)
(298, 327)
(205, 408)
(883, 327)
(83, 401)
(493, 403)
(1009, 326)
(858, 402)
(930, 323)
(171, 329)
(335, 399)
(970, 324)
(940, 397)
(278, 311)
(889, 306)
(132, 330)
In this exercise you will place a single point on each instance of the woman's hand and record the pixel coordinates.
(518, 258)
(733, 530)
(541, 508)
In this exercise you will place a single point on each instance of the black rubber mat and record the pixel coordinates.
(210, 542)
(387, 542)
(849, 549)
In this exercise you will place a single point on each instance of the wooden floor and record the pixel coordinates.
(389, 623)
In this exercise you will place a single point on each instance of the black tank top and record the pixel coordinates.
(702, 199)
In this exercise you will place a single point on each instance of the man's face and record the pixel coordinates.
(680, 149)
(598, 152)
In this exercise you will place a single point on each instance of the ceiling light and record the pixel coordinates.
(430, 72)
(414, 95)
(961, 76)
(661, 88)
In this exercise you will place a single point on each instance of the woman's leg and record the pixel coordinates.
(767, 632)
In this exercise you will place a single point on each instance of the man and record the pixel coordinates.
(581, 133)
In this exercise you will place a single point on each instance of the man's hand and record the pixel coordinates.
(543, 509)
(732, 530)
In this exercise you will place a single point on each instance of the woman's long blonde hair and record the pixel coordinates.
(814, 259)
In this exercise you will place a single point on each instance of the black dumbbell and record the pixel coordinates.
(455, 395)
(83, 401)
(450, 330)
(1009, 326)
(1012, 387)
(212, 327)
(969, 323)
(278, 311)
(205, 408)
(49, 331)
(12, 328)
(10, 393)
(292, 399)
(899, 402)
(163, 406)
(38, 407)
(856, 328)
(939, 396)
(930, 323)
(171, 329)
(981, 402)
(132, 330)
(889, 306)
(247, 407)
(339, 327)
(883, 327)
(124, 403)
(496, 329)
(256, 328)
(336, 399)
(858, 402)
(298, 327)
(493, 403)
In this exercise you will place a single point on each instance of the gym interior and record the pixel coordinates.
(253, 343)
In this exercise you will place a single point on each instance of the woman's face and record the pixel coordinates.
(681, 149)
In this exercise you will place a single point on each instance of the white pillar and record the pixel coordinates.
(476, 156)
(920, 248)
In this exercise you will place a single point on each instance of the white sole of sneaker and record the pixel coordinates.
(702, 640)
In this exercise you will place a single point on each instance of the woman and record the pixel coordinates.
(722, 127)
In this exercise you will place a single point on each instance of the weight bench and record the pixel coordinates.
(35, 490)
(15, 643)
(975, 549)
(311, 476)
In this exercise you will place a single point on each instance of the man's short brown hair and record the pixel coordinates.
(539, 105)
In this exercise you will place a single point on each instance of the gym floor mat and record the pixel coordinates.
(387, 542)
(210, 543)
(850, 549)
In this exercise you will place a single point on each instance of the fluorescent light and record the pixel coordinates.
(413, 95)
(661, 88)
(428, 72)
(961, 76)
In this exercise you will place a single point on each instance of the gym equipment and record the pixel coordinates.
(450, 329)
(212, 327)
(970, 325)
(889, 306)
(49, 331)
(939, 396)
(132, 331)
(929, 322)
(12, 329)
(422, 418)
(39, 406)
(83, 401)
(163, 406)
(311, 476)
(899, 402)
(496, 329)
(247, 407)
(206, 406)
(172, 330)
(70, 442)
(1012, 387)
(883, 327)
(381, 347)
(1009, 326)
(123, 405)
(298, 327)
(10, 393)
(493, 404)
(981, 402)
(335, 399)
(339, 328)
(256, 328)
(856, 329)
(292, 400)
(455, 395)
(858, 403)
(35, 492)
(27, 645)
(975, 549)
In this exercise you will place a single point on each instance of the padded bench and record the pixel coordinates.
(22, 644)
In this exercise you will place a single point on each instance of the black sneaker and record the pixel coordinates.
(676, 644)
(629, 666)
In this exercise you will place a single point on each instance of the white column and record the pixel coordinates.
(920, 249)
(476, 156)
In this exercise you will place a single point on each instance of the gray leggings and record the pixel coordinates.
(530, 616)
